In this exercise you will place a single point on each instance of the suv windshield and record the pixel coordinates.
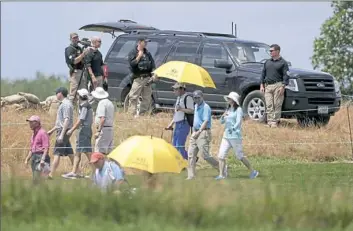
(249, 52)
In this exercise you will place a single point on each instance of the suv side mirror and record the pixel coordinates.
(221, 63)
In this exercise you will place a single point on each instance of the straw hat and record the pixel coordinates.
(99, 93)
(233, 96)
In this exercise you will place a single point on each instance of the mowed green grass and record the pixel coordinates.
(288, 195)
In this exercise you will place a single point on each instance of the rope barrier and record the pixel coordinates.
(153, 119)
(244, 144)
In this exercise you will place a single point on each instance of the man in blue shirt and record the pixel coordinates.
(201, 137)
(108, 174)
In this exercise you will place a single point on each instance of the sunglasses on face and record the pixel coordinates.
(272, 50)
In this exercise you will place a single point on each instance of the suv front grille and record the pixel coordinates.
(318, 84)
(321, 101)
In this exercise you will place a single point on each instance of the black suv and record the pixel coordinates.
(234, 64)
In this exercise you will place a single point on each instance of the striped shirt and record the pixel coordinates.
(65, 110)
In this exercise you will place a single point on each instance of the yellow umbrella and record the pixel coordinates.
(149, 154)
(184, 72)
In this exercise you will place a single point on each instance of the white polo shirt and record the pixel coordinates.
(105, 108)
(179, 115)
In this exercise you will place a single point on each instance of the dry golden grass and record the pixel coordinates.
(288, 141)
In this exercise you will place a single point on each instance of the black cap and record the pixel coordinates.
(62, 90)
(143, 39)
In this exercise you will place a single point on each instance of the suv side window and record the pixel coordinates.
(184, 51)
(121, 49)
(120, 52)
(159, 47)
(212, 51)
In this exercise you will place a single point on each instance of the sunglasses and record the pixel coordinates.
(272, 50)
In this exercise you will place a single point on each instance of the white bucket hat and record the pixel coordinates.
(233, 96)
(83, 92)
(99, 93)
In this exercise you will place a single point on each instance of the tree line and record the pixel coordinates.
(333, 48)
(42, 85)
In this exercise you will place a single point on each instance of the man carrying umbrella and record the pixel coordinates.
(184, 110)
(201, 137)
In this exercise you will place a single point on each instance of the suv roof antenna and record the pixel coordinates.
(234, 29)
(126, 21)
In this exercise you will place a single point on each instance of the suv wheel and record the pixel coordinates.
(254, 106)
(318, 121)
(124, 95)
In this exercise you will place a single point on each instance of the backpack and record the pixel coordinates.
(188, 117)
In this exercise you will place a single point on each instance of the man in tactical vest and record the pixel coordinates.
(141, 65)
(74, 55)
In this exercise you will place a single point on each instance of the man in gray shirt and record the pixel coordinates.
(63, 123)
(274, 79)
(104, 121)
(84, 135)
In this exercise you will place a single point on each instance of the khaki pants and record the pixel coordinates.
(138, 89)
(274, 101)
(105, 141)
(99, 81)
(202, 144)
(74, 86)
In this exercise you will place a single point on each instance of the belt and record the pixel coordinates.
(272, 82)
(37, 153)
(142, 76)
(107, 126)
(196, 130)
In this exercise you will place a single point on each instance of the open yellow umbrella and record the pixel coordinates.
(184, 72)
(150, 154)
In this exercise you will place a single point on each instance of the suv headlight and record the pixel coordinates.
(337, 86)
(292, 85)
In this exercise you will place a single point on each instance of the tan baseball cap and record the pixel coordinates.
(178, 85)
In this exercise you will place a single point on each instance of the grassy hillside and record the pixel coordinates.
(42, 86)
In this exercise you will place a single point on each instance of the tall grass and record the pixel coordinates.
(204, 206)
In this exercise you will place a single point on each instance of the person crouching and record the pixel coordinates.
(108, 175)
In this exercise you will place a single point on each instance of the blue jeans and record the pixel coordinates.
(181, 132)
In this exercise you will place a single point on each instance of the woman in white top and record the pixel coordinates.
(232, 137)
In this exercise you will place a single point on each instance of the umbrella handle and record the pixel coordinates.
(171, 137)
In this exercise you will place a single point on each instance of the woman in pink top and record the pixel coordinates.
(39, 152)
